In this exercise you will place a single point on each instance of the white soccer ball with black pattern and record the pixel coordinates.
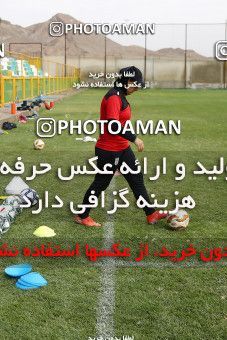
(14, 202)
(39, 144)
(179, 220)
(8, 212)
(29, 195)
(4, 224)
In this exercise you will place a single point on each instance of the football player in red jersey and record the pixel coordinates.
(115, 148)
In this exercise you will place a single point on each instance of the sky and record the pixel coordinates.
(200, 38)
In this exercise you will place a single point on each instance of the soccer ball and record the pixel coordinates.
(39, 144)
(4, 224)
(179, 220)
(30, 194)
(4, 220)
(14, 202)
(8, 212)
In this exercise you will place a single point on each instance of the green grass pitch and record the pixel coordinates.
(156, 300)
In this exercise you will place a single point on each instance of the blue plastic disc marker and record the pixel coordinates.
(26, 284)
(18, 269)
(25, 287)
(33, 278)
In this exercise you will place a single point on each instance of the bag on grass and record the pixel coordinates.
(8, 126)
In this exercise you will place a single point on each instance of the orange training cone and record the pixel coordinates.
(13, 109)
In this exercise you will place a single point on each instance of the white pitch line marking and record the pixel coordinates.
(161, 264)
(106, 303)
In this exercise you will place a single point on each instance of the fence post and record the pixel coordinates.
(48, 84)
(14, 89)
(23, 88)
(31, 87)
(38, 86)
(2, 91)
(44, 85)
